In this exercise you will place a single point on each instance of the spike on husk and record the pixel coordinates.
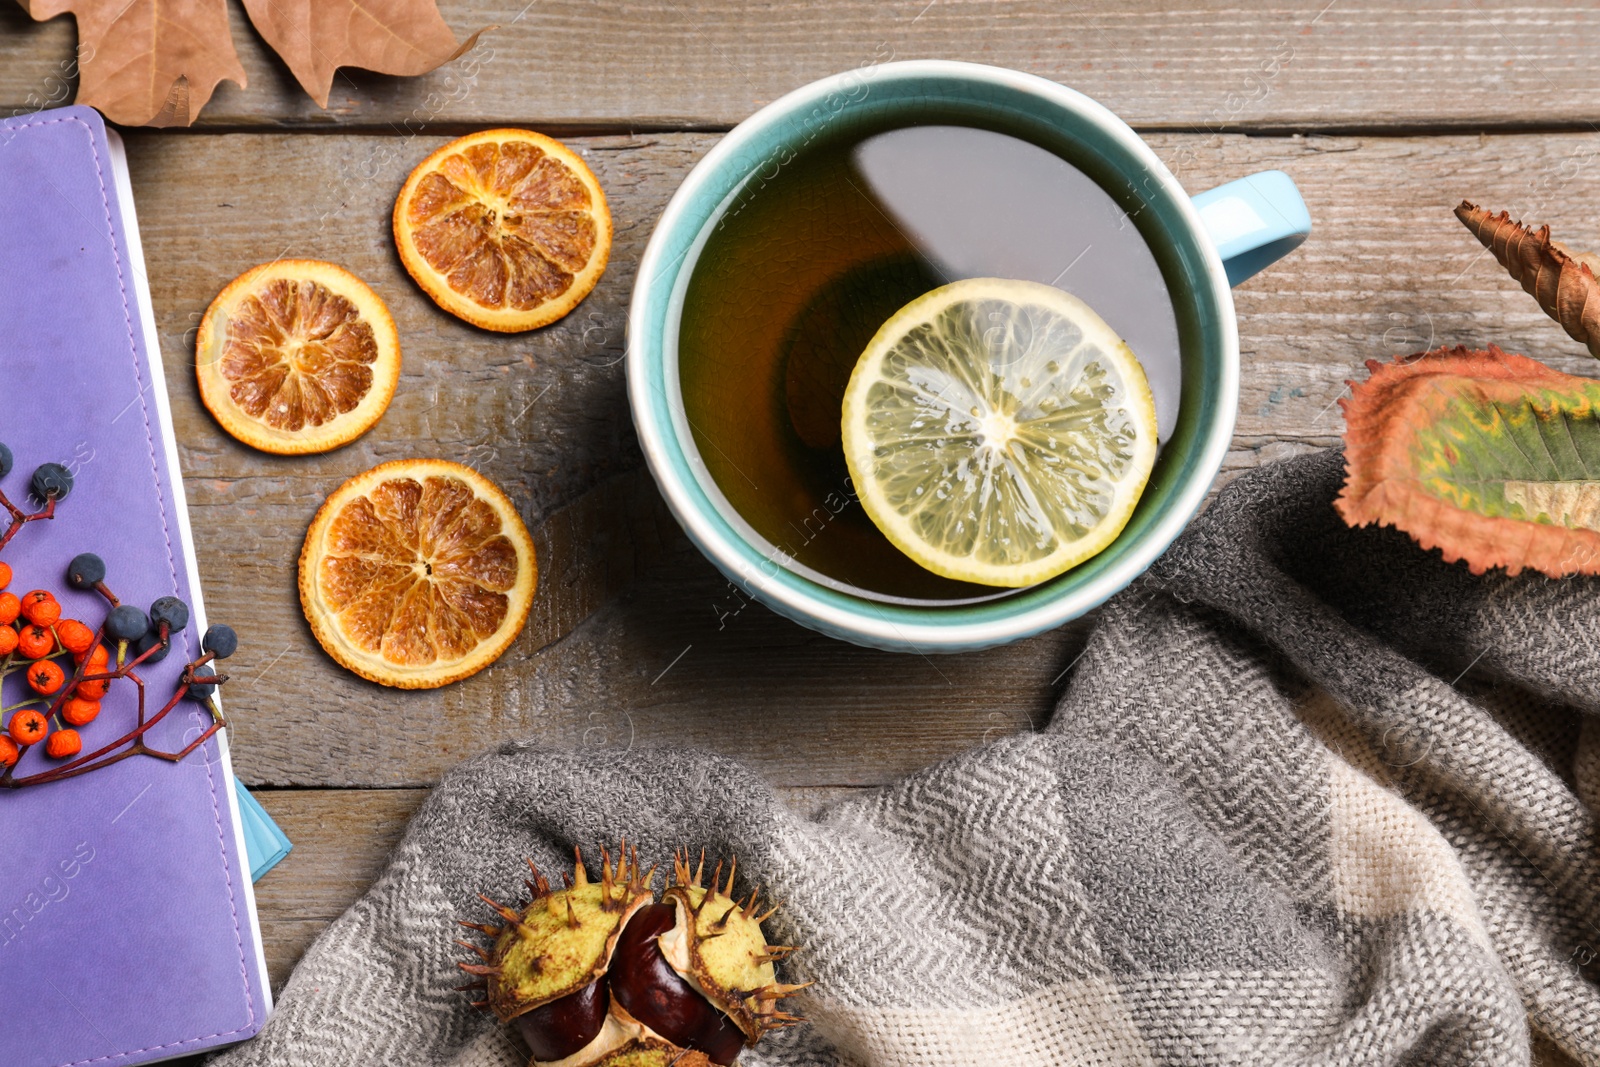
(508, 914)
(539, 888)
(680, 869)
(1485, 455)
(1562, 281)
(475, 948)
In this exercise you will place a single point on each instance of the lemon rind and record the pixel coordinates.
(858, 447)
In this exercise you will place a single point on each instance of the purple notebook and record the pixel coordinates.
(127, 922)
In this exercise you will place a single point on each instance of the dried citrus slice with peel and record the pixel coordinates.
(998, 431)
(507, 229)
(417, 573)
(297, 356)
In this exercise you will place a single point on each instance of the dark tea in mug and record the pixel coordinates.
(812, 255)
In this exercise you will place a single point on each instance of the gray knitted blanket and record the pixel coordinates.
(1312, 797)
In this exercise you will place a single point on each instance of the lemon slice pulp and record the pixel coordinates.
(998, 431)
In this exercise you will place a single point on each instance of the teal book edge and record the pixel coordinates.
(264, 843)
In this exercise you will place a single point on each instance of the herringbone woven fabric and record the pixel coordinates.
(1312, 797)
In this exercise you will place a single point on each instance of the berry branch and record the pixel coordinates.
(32, 626)
(51, 482)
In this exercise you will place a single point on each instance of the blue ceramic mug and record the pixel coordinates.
(1204, 245)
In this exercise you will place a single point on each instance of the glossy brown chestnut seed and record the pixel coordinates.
(647, 987)
(562, 1027)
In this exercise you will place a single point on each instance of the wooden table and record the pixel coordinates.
(1387, 114)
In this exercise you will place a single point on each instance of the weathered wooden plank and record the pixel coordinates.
(1209, 64)
(342, 839)
(679, 660)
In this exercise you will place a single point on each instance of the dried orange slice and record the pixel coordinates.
(297, 356)
(417, 573)
(507, 229)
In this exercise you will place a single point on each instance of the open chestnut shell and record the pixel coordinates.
(598, 974)
(648, 989)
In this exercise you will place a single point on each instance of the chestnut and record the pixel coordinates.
(647, 987)
(562, 1027)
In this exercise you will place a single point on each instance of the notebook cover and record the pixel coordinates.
(127, 921)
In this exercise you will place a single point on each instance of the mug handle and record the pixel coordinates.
(1254, 222)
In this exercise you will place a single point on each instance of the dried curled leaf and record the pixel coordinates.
(156, 62)
(1491, 457)
(317, 37)
(148, 62)
(1562, 281)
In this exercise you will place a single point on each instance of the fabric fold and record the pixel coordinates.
(1312, 796)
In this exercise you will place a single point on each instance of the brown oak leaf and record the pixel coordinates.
(1562, 281)
(148, 62)
(1491, 457)
(317, 37)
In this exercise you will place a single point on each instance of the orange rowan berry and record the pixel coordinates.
(45, 677)
(93, 689)
(9, 753)
(27, 726)
(40, 607)
(63, 743)
(74, 636)
(5, 575)
(35, 641)
(79, 712)
(97, 659)
(8, 640)
(10, 607)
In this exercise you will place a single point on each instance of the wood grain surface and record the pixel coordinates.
(636, 640)
(680, 659)
(670, 64)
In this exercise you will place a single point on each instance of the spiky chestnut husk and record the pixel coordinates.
(562, 941)
(595, 987)
(717, 945)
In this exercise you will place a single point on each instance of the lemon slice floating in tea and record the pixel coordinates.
(999, 431)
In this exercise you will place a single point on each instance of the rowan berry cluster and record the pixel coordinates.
(69, 666)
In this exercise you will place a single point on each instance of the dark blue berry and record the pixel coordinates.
(199, 689)
(169, 610)
(5, 461)
(85, 570)
(146, 643)
(51, 480)
(220, 641)
(126, 623)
